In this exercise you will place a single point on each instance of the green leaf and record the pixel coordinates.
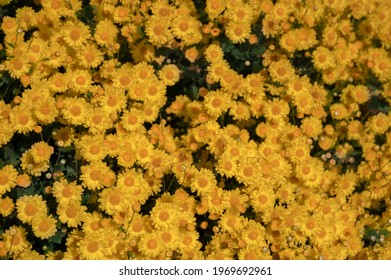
(11, 157)
(10, 45)
(66, 149)
(70, 171)
(57, 237)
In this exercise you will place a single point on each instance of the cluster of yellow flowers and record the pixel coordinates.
(120, 158)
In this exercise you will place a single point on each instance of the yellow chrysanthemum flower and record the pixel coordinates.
(163, 215)
(8, 178)
(169, 74)
(158, 31)
(22, 118)
(92, 147)
(75, 34)
(71, 213)
(105, 33)
(15, 240)
(76, 110)
(150, 245)
(29, 206)
(41, 152)
(65, 191)
(92, 247)
(114, 200)
(44, 226)
(7, 206)
(97, 175)
(203, 182)
(238, 31)
(45, 110)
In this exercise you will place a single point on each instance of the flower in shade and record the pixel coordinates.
(8, 178)
(7, 206)
(15, 240)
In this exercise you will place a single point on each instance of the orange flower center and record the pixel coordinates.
(44, 226)
(71, 212)
(75, 34)
(115, 199)
(92, 246)
(164, 216)
(30, 210)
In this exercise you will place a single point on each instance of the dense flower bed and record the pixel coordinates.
(218, 129)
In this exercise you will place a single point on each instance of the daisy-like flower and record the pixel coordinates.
(15, 240)
(281, 71)
(41, 152)
(113, 100)
(22, 118)
(29, 206)
(262, 199)
(276, 109)
(214, 53)
(217, 102)
(91, 222)
(76, 110)
(71, 213)
(238, 31)
(92, 147)
(18, 66)
(164, 215)
(158, 31)
(323, 58)
(58, 82)
(214, 8)
(45, 110)
(379, 123)
(203, 182)
(92, 247)
(44, 226)
(114, 200)
(97, 175)
(89, 56)
(347, 183)
(155, 90)
(80, 81)
(226, 165)
(75, 34)
(7, 206)
(105, 33)
(8, 178)
(122, 78)
(65, 191)
(169, 74)
(98, 121)
(188, 240)
(150, 245)
(312, 127)
(187, 29)
(254, 234)
(231, 222)
(132, 119)
(31, 167)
